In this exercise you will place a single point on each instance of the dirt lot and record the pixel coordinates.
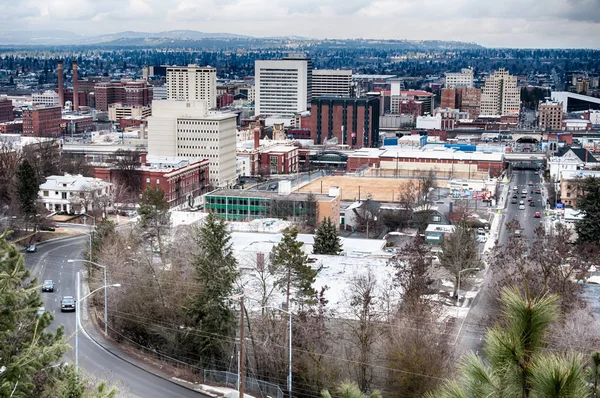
(381, 189)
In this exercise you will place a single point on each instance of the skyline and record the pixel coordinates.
(555, 24)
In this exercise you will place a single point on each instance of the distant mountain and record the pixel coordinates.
(40, 37)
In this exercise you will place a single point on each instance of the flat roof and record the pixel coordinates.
(243, 193)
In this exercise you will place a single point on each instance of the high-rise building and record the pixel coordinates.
(550, 115)
(280, 87)
(331, 82)
(397, 96)
(462, 79)
(309, 68)
(47, 97)
(500, 94)
(464, 99)
(134, 93)
(6, 110)
(192, 83)
(42, 121)
(353, 121)
(188, 129)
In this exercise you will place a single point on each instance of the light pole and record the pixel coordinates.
(458, 287)
(240, 380)
(77, 319)
(105, 295)
(289, 345)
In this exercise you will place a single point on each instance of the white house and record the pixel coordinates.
(72, 193)
(569, 159)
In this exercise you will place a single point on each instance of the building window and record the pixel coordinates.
(157, 181)
(148, 180)
(436, 218)
(46, 193)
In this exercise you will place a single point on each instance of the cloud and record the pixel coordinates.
(522, 23)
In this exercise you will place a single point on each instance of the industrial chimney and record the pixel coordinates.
(61, 89)
(75, 88)
(256, 137)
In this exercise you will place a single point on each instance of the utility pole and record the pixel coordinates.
(241, 367)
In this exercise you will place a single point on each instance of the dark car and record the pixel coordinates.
(48, 286)
(532, 204)
(31, 249)
(47, 228)
(515, 196)
(524, 195)
(514, 201)
(530, 199)
(530, 183)
(67, 303)
(273, 187)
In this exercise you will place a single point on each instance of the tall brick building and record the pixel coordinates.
(137, 93)
(42, 121)
(464, 99)
(353, 121)
(550, 115)
(6, 111)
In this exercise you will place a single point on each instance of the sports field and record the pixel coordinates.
(380, 189)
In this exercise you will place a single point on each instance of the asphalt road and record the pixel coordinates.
(472, 333)
(50, 262)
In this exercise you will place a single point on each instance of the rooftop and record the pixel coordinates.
(242, 193)
(70, 182)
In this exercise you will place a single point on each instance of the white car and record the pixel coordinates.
(521, 207)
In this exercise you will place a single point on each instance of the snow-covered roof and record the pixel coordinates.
(70, 182)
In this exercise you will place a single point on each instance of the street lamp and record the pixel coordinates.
(77, 319)
(105, 295)
(458, 287)
(289, 345)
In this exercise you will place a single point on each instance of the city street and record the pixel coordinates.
(473, 331)
(50, 262)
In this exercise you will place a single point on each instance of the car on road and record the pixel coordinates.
(48, 286)
(518, 233)
(537, 214)
(273, 187)
(532, 204)
(515, 196)
(521, 207)
(538, 191)
(514, 201)
(67, 303)
(515, 188)
(31, 249)
(523, 195)
(530, 183)
(521, 202)
(530, 199)
(524, 192)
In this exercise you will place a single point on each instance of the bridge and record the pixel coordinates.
(524, 156)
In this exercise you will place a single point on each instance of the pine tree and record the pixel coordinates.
(288, 256)
(217, 271)
(27, 188)
(327, 240)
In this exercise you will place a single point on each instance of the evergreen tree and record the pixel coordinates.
(154, 215)
(459, 252)
(327, 240)
(289, 257)
(516, 363)
(217, 271)
(588, 202)
(28, 354)
(27, 188)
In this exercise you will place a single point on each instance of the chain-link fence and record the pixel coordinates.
(250, 384)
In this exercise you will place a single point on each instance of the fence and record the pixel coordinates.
(250, 384)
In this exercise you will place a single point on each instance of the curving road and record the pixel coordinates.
(50, 262)
(471, 335)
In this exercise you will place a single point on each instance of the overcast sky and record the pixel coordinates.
(493, 23)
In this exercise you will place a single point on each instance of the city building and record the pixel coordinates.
(331, 82)
(188, 129)
(462, 79)
(42, 121)
(246, 205)
(159, 93)
(429, 122)
(569, 187)
(464, 99)
(128, 92)
(351, 121)
(192, 83)
(72, 193)
(500, 94)
(280, 159)
(397, 96)
(573, 102)
(550, 115)
(299, 56)
(224, 100)
(47, 97)
(77, 124)
(117, 112)
(6, 110)
(410, 107)
(281, 87)
(13, 127)
(569, 159)
(182, 180)
(449, 117)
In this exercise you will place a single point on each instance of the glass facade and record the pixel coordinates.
(234, 208)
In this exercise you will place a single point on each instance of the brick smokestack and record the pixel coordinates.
(75, 88)
(61, 89)
(256, 137)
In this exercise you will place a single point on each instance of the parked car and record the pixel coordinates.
(514, 201)
(67, 303)
(48, 286)
(31, 249)
(537, 214)
(530, 183)
(273, 187)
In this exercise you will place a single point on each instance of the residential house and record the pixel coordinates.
(73, 193)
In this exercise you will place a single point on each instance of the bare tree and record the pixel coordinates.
(460, 252)
(127, 161)
(10, 158)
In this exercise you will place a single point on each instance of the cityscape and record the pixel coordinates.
(306, 211)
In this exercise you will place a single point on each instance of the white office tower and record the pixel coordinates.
(500, 95)
(462, 79)
(192, 83)
(281, 87)
(331, 82)
(188, 129)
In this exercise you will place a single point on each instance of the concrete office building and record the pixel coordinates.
(462, 79)
(500, 95)
(281, 87)
(187, 129)
(118, 111)
(48, 97)
(309, 67)
(192, 83)
(550, 115)
(330, 82)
